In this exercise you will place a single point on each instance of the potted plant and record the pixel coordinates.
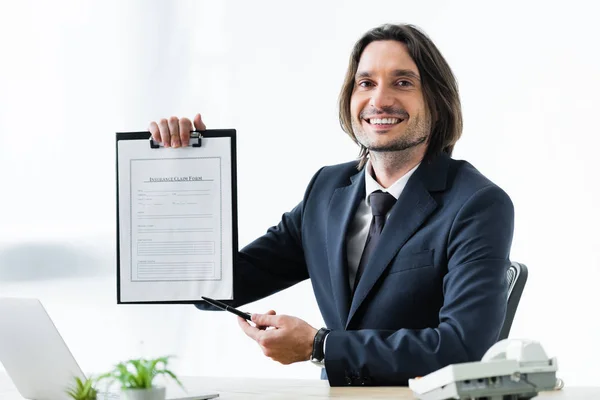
(136, 378)
(82, 389)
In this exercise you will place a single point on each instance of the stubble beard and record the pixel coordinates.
(416, 133)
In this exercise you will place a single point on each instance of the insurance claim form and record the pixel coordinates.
(175, 221)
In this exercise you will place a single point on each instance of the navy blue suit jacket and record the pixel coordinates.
(433, 294)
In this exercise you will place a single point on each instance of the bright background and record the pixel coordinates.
(75, 72)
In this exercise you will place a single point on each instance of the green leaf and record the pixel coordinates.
(139, 373)
(82, 389)
(172, 375)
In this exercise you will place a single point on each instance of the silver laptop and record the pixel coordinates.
(37, 358)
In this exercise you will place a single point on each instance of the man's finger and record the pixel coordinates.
(163, 126)
(174, 130)
(266, 320)
(198, 124)
(185, 127)
(153, 128)
(270, 312)
(248, 329)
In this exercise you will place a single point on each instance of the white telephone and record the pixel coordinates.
(511, 368)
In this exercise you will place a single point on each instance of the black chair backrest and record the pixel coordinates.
(517, 277)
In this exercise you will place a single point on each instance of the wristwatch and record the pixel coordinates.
(318, 354)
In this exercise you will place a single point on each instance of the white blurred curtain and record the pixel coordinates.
(72, 74)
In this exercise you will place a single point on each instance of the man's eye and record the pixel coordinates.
(404, 83)
(365, 84)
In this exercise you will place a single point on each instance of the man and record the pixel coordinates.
(429, 288)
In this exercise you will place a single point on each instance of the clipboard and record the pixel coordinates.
(167, 252)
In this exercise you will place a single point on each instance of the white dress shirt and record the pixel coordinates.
(359, 227)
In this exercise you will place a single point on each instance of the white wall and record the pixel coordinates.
(73, 73)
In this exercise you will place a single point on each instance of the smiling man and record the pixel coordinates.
(407, 249)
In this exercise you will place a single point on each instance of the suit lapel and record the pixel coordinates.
(342, 208)
(411, 210)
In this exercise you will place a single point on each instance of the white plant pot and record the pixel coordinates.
(155, 393)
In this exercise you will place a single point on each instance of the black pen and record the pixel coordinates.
(225, 307)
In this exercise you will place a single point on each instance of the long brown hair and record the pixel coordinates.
(440, 89)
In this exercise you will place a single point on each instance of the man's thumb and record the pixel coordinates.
(198, 124)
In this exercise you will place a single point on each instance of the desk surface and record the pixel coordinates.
(284, 389)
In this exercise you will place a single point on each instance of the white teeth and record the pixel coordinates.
(384, 121)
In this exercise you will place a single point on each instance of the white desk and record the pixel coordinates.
(287, 389)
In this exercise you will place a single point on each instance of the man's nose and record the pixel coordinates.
(381, 97)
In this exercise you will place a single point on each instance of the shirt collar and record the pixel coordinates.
(395, 190)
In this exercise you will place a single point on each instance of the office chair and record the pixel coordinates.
(517, 277)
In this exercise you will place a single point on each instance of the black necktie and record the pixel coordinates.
(381, 203)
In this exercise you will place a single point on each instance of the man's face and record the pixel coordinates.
(387, 105)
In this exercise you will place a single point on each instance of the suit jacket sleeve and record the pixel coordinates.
(470, 319)
(271, 263)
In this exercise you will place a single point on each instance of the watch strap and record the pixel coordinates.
(317, 353)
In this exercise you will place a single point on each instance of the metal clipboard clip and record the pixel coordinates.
(195, 140)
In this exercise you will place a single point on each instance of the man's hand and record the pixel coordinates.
(175, 132)
(288, 340)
